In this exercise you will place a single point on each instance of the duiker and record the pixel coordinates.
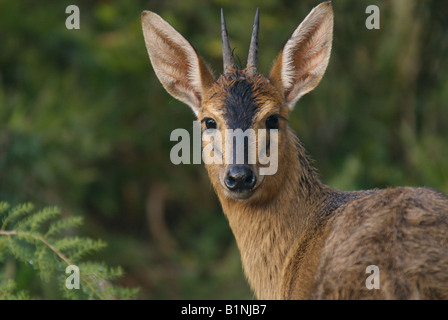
(298, 238)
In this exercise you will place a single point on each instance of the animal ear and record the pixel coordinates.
(177, 65)
(303, 60)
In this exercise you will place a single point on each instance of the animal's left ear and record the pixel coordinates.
(302, 63)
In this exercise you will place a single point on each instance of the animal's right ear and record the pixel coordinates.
(177, 65)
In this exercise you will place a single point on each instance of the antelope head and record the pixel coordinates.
(243, 98)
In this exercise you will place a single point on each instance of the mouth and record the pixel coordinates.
(239, 194)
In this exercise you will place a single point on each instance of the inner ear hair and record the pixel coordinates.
(304, 58)
(177, 65)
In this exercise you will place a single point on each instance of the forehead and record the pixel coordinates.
(240, 100)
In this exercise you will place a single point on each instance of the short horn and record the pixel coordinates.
(227, 57)
(252, 58)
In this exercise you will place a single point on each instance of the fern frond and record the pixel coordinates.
(4, 206)
(34, 221)
(61, 225)
(29, 238)
(8, 291)
(16, 212)
(77, 247)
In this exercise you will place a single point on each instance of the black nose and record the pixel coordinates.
(240, 178)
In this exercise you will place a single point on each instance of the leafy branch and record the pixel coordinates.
(40, 239)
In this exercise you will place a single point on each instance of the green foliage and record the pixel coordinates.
(38, 239)
(8, 291)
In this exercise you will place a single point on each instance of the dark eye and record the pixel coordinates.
(272, 122)
(210, 123)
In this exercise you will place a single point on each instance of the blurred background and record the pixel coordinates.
(85, 124)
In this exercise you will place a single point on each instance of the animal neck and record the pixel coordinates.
(267, 231)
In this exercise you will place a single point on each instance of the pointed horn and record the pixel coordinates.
(227, 57)
(252, 59)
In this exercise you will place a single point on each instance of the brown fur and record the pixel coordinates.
(298, 238)
(313, 242)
